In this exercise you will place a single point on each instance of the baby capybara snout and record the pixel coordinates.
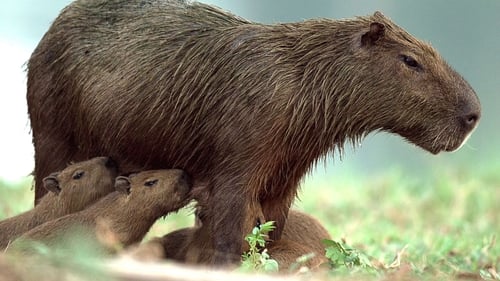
(110, 163)
(175, 180)
(184, 182)
(177, 186)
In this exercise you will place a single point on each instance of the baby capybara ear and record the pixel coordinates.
(51, 183)
(122, 184)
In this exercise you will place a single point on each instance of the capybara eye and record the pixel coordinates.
(150, 183)
(410, 62)
(78, 175)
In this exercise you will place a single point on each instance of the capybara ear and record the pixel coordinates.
(51, 183)
(378, 14)
(377, 30)
(122, 184)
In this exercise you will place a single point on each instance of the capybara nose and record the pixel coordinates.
(186, 179)
(185, 182)
(469, 121)
(110, 163)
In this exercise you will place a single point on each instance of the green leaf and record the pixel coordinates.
(271, 265)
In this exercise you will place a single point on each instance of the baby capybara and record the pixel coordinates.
(70, 190)
(287, 253)
(302, 235)
(122, 217)
(244, 107)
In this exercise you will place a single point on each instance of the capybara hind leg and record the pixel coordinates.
(51, 155)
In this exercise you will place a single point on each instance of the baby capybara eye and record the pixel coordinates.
(78, 175)
(150, 183)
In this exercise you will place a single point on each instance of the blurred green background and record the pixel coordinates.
(383, 194)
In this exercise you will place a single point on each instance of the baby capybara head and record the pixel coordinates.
(162, 191)
(411, 90)
(80, 184)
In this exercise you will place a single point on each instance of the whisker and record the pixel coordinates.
(470, 146)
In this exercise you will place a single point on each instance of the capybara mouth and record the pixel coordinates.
(448, 146)
(452, 145)
(439, 147)
(448, 139)
(458, 145)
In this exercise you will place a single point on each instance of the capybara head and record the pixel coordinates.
(80, 184)
(162, 191)
(409, 89)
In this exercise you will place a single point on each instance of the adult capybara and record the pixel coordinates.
(70, 190)
(302, 235)
(244, 107)
(122, 217)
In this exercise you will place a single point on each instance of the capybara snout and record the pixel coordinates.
(469, 121)
(110, 163)
(184, 183)
(469, 116)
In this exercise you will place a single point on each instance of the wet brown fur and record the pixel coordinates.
(96, 181)
(125, 215)
(247, 108)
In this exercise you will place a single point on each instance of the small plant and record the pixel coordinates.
(341, 255)
(257, 258)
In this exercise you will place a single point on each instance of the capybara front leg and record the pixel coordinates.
(51, 155)
(227, 217)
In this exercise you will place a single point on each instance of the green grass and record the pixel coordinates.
(441, 227)
(15, 197)
(447, 224)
